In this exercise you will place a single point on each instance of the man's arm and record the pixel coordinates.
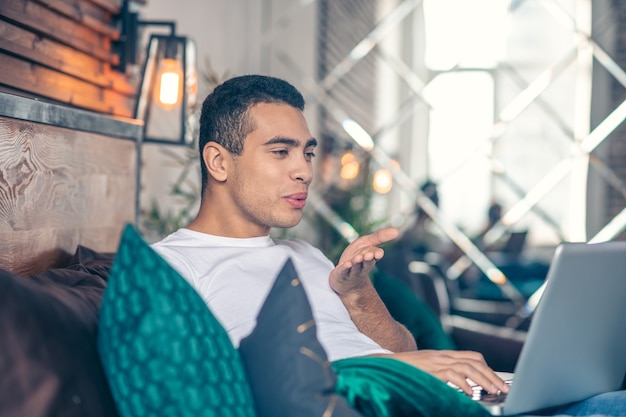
(351, 281)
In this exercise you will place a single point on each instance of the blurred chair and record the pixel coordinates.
(500, 345)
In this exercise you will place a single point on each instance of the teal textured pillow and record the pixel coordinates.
(163, 351)
(386, 387)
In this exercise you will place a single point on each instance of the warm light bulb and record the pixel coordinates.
(382, 181)
(349, 166)
(347, 157)
(170, 83)
(350, 170)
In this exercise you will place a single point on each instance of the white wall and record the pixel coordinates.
(227, 33)
(232, 36)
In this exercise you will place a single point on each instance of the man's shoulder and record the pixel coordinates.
(296, 244)
(169, 248)
(176, 238)
(302, 248)
(187, 239)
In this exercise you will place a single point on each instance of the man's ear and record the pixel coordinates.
(216, 160)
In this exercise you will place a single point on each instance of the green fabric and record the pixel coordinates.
(406, 308)
(163, 351)
(385, 387)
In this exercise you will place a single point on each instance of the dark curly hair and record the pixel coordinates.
(225, 112)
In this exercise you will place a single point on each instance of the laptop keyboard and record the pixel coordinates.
(479, 394)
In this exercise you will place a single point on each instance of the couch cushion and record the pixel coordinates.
(286, 365)
(49, 363)
(163, 351)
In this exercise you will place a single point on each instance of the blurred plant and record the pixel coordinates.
(355, 211)
(186, 189)
(351, 199)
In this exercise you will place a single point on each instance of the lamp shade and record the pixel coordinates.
(168, 90)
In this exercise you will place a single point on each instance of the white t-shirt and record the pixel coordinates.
(234, 276)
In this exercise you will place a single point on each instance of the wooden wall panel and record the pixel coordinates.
(54, 25)
(86, 13)
(60, 188)
(113, 6)
(29, 46)
(64, 88)
(62, 51)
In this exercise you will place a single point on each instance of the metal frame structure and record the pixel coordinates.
(584, 138)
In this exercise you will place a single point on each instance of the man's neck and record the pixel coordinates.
(213, 226)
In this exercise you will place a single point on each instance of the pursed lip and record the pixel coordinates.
(297, 200)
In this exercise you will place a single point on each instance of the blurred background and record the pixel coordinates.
(507, 107)
(487, 131)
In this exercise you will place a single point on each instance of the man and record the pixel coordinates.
(256, 156)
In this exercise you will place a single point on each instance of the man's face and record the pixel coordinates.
(271, 177)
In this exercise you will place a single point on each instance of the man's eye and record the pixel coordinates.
(281, 152)
(310, 155)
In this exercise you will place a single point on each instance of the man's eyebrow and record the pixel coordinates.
(290, 142)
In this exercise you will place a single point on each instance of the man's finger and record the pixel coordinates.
(381, 236)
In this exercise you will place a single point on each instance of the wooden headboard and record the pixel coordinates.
(67, 177)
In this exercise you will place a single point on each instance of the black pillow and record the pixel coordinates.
(287, 367)
(95, 263)
(290, 375)
(49, 364)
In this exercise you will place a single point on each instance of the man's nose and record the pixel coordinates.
(303, 172)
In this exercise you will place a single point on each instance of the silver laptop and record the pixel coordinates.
(576, 343)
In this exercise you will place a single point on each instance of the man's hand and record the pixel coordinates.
(456, 367)
(351, 281)
(357, 261)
